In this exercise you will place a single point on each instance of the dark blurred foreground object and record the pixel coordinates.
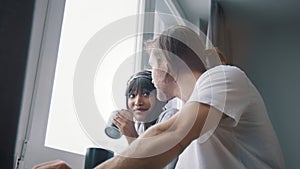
(95, 156)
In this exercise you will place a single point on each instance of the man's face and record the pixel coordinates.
(159, 76)
(159, 82)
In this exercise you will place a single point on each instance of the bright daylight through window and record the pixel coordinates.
(82, 20)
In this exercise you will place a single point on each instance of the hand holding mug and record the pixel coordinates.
(123, 119)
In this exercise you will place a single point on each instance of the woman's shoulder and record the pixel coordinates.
(168, 113)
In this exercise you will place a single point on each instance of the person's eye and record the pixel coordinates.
(146, 94)
(131, 96)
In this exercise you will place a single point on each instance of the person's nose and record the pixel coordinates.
(139, 100)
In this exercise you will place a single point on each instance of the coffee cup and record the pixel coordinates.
(111, 130)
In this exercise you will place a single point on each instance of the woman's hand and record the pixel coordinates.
(124, 121)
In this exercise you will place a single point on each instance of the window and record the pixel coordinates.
(81, 53)
(83, 21)
(61, 34)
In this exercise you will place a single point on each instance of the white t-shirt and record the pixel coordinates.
(246, 138)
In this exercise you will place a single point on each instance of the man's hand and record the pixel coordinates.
(56, 164)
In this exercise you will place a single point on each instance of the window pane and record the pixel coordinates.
(82, 20)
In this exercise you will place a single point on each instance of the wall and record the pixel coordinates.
(269, 54)
(15, 25)
(275, 70)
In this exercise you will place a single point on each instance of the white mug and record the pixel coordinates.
(111, 130)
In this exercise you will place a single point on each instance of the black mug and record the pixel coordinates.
(95, 156)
